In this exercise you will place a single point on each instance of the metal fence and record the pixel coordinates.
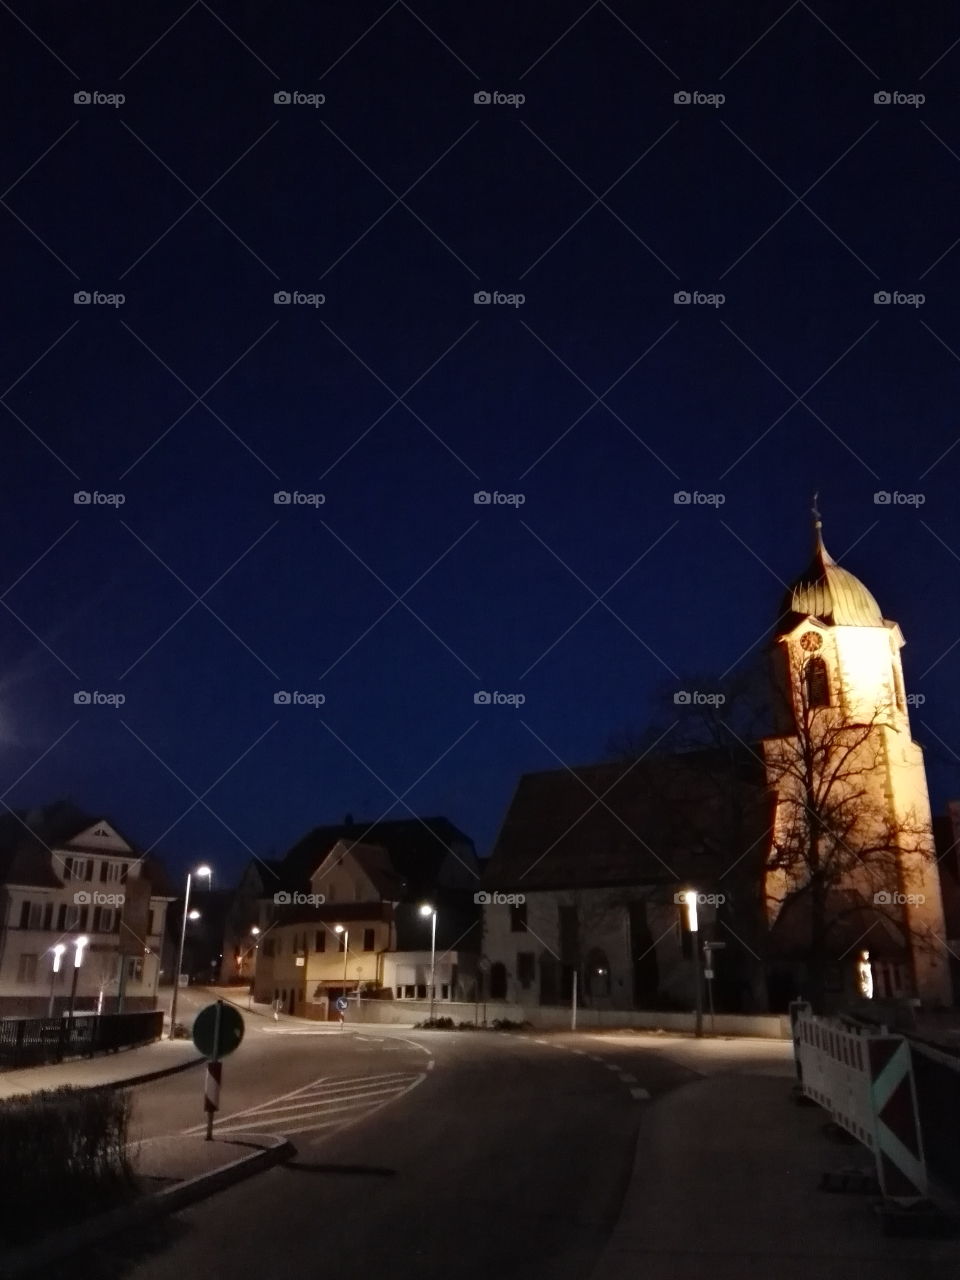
(26, 1042)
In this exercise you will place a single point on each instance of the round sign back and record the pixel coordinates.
(205, 1025)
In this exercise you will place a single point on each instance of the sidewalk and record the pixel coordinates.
(129, 1065)
(725, 1184)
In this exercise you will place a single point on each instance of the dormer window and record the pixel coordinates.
(817, 682)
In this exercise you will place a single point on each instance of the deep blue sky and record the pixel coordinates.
(694, 197)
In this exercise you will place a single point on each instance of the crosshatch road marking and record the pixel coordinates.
(327, 1103)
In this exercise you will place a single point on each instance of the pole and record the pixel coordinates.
(53, 975)
(573, 1002)
(346, 952)
(214, 1069)
(73, 989)
(699, 981)
(176, 976)
(433, 961)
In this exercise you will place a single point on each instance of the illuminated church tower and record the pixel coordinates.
(838, 664)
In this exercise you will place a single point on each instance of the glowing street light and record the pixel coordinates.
(255, 932)
(690, 898)
(187, 915)
(78, 944)
(58, 951)
(427, 909)
(339, 928)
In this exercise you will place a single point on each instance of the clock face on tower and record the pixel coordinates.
(811, 641)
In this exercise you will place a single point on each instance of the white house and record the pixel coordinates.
(66, 875)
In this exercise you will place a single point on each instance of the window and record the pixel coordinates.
(399, 993)
(27, 968)
(108, 919)
(409, 992)
(341, 941)
(269, 946)
(47, 916)
(898, 688)
(818, 686)
(134, 968)
(61, 917)
(518, 918)
(368, 937)
(104, 869)
(526, 968)
(444, 990)
(320, 941)
(422, 991)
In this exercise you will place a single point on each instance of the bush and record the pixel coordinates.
(504, 1024)
(435, 1024)
(64, 1148)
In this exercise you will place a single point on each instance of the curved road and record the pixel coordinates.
(419, 1155)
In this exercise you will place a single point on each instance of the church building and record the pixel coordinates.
(809, 843)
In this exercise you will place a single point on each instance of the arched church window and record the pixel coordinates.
(817, 682)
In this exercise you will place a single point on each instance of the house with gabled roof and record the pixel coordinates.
(67, 874)
(345, 918)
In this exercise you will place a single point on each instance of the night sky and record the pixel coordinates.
(597, 398)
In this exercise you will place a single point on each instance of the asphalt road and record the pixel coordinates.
(419, 1154)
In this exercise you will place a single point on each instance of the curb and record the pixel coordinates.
(123, 1082)
(145, 1077)
(30, 1258)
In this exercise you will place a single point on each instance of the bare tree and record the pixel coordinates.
(838, 848)
(793, 806)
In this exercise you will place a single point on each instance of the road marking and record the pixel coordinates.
(325, 1104)
(611, 1066)
(541, 1042)
(627, 1079)
(640, 1093)
(581, 1052)
(431, 1064)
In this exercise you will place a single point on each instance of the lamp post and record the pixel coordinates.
(694, 925)
(429, 910)
(255, 931)
(200, 871)
(78, 945)
(339, 928)
(58, 951)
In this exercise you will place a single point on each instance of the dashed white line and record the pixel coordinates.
(640, 1093)
(627, 1079)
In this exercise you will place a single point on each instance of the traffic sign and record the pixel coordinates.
(205, 1036)
(342, 1004)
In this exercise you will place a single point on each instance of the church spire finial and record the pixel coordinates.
(815, 512)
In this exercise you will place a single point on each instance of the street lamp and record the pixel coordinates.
(428, 910)
(58, 951)
(339, 928)
(78, 944)
(693, 924)
(191, 915)
(255, 931)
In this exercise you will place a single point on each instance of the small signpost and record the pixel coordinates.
(217, 1031)
(709, 948)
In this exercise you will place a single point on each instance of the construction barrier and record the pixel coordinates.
(865, 1081)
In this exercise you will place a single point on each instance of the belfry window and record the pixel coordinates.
(817, 683)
